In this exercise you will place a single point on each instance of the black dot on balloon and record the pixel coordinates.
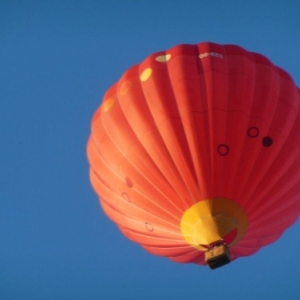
(223, 149)
(253, 132)
(267, 141)
(149, 227)
(126, 197)
(262, 238)
(128, 182)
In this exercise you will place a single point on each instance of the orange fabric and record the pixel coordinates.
(198, 122)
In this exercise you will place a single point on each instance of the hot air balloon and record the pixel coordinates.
(194, 153)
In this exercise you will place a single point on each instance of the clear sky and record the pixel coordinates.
(57, 58)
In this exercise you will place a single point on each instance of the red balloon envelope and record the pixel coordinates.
(198, 147)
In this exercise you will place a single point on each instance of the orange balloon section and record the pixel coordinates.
(196, 146)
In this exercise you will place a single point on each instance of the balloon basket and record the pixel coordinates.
(217, 256)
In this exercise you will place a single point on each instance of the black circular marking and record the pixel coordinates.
(253, 132)
(267, 141)
(223, 149)
(262, 238)
(129, 182)
(126, 197)
(149, 227)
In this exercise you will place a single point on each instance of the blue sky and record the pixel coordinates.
(57, 58)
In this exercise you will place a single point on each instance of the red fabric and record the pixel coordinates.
(211, 121)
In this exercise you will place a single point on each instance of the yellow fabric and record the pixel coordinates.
(209, 221)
